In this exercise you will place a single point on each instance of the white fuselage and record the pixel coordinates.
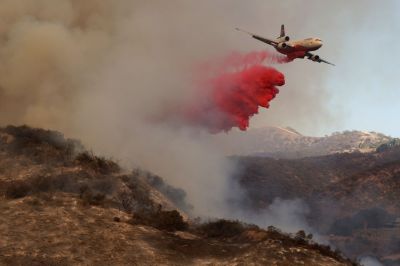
(299, 48)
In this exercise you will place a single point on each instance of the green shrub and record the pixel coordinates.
(44, 146)
(170, 221)
(91, 198)
(163, 220)
(98, 164)
(222, 228)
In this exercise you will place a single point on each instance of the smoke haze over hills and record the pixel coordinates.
(98, 70)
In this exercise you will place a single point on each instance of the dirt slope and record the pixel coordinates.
(61, 205)
(60, 231)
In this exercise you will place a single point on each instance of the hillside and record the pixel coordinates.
(353, 197)
(62, 205)
(268, 178)
(280, 142)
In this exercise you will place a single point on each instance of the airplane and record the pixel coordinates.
(292, 49)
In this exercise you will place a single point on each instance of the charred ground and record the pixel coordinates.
(63, 205)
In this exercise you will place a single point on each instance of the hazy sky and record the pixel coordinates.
(360, 37)
(51, 52)
(366, 78)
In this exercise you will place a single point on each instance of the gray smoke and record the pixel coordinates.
(99, 70)
(370, 261)
(287, 215)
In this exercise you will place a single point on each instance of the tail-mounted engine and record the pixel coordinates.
(283, 39)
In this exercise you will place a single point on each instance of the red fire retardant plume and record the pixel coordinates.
(231, 91)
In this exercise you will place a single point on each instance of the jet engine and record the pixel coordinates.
(314, 58)
(283, 39)
(282, 45)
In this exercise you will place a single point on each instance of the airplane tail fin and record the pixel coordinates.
(282, 31)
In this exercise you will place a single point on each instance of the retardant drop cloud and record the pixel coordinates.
(230, 90)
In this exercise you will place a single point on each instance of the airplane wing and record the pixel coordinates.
(316, 58)
(257, 37)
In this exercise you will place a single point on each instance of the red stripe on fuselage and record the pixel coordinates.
(296, 51)
(296, 54)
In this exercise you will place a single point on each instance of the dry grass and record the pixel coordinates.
(61, 208)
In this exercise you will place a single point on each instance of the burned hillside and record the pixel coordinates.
(63, 205)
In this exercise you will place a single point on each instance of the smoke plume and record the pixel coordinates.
(98, 70)
(370, 261)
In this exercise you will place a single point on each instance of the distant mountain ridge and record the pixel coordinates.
(278, 142)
